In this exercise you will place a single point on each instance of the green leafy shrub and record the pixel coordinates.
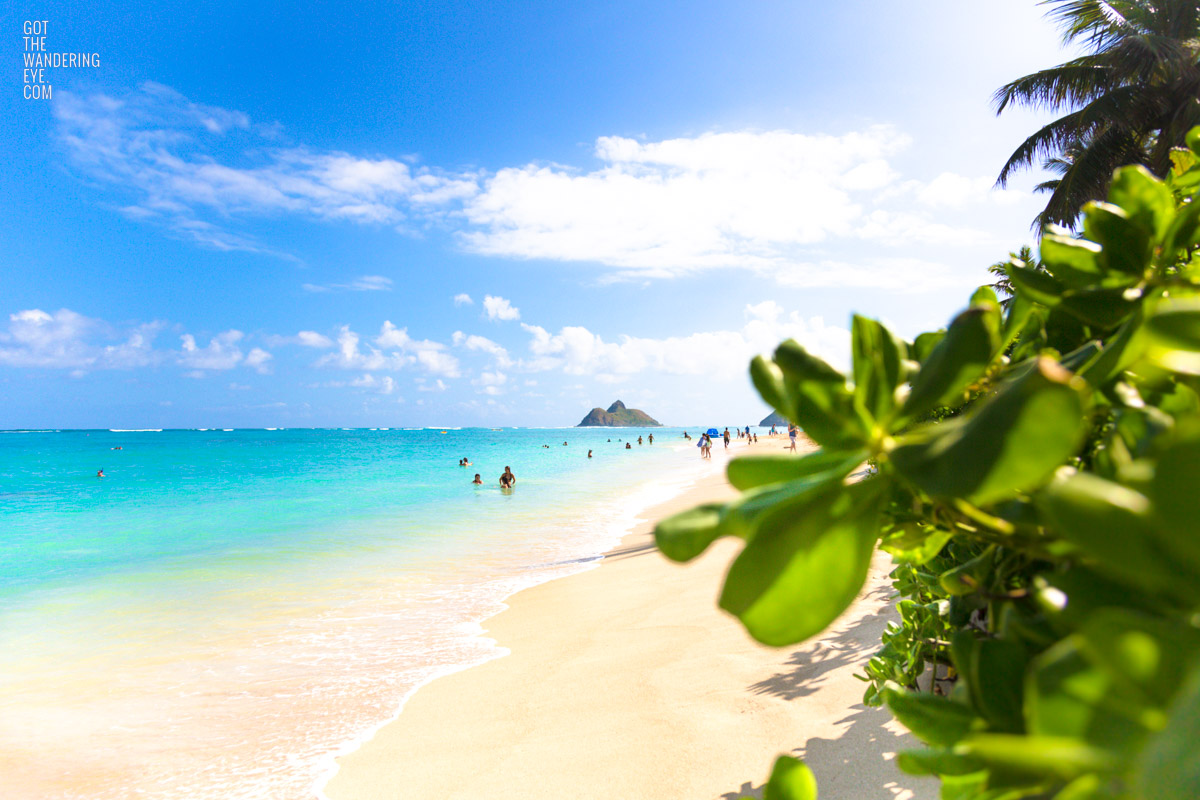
(1037, 482)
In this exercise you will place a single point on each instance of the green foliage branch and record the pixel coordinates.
(1037, 481)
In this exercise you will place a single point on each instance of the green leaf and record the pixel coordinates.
(1176, 325)
(801, 365)
(684, 536)
(1104, 308)
(1019, 312)
(744, 516)
(1168, 768)
(923, 345)
(932, 719)
(1121, 350)
(1036, 756)
(1184, 231)
(822, 404)
(1144, 198)
(967, 578)
(877, 357)
(1075, 262)
(1112, 525)
(791, 779)
(1037, 285)
(750, 472)
(959, 359)
(806, 564)
(915, 543)
(1192, 140)
(984, 296)
(936, 761)
(1127, 246)
(1175, 491)
(994, 673)
(768, 380)
(1011, 443)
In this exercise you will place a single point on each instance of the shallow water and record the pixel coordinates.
(226, 610)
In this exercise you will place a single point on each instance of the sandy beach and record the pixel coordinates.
(628, 682)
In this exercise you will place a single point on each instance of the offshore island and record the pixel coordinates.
(618, 416)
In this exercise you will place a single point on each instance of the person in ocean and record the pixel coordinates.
(589, 453)
(639, 440)
(100, 474)
(628, 446)
(478, 480)
(508, 479)
(652, 438)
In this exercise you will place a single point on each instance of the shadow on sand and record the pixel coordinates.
(856, 764)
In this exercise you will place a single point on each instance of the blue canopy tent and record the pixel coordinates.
(713, 432)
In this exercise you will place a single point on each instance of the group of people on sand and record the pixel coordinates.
(705, 441)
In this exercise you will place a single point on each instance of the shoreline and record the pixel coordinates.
(476, 631)
(586, 696)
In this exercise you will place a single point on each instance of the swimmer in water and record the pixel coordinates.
(589, 453)
(508, 480)
(628, 446)
(100, 474)
(478, 481)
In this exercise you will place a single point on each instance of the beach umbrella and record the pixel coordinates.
(713, 432)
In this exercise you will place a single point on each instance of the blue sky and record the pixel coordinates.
(395, 214)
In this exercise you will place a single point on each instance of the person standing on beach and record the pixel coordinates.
(726, 437)
(792, 436)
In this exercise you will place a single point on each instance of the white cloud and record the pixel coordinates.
(367, 283)
(352, 353)
(68, 340)
(663, 208)
(463, 300)
(157, 143)
(949, 190)
(497, 308)
(722, 354)
(384, 385)
(221, 352)
(438, 362)
(484, 345)
(257, 359)
(437, 386)
(491, 382)
(313, 339)
(349, 356)
(770, 202)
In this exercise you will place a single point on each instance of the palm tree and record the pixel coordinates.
(1130, 100)
(1003, 285)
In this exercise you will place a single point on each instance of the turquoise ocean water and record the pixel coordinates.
(226, 610)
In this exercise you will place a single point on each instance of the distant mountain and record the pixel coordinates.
(774, 418)
(618, 416)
